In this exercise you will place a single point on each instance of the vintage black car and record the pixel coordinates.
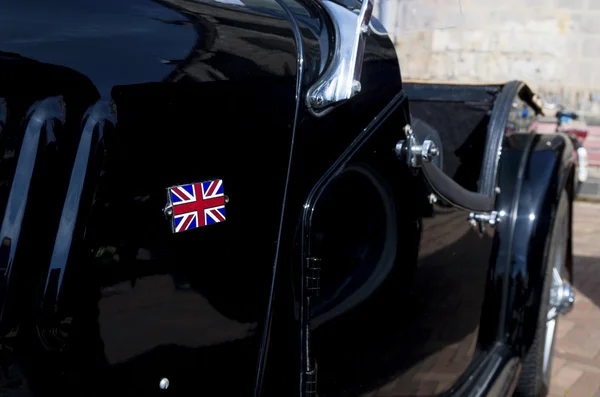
(242, 198)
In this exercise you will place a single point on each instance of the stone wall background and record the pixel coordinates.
(553, 45)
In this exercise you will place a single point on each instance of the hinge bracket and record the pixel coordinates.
(413, 152)
(313, 276)
(310, 383)
(479, 220)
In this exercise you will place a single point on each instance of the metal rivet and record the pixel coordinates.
(164, 384)
(319, 100)
(226, 199)
(433, 151)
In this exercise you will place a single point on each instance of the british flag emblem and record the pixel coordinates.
(196, 205)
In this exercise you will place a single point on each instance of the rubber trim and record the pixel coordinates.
(496, 132)
(451, 92)
(452, 192)
(443, 185)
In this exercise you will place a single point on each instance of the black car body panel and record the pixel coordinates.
(548, 170)
(113, 274)
(335, 256)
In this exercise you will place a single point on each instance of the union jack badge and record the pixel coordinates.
(195, 205)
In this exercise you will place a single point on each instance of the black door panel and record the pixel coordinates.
(402, 280)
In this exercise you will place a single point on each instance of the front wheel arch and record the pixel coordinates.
(548, 172)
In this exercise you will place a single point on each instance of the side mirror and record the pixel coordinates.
(341, 80)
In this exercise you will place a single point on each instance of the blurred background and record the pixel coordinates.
(554, 46)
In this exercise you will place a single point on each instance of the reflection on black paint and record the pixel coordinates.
(416, 333)
(137, 304)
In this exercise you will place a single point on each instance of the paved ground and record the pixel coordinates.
(576, 365)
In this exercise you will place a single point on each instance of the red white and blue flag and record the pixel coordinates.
(197, 204)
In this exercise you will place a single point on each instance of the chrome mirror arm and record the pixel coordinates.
(341, 80)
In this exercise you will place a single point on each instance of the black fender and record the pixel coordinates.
(544, 165)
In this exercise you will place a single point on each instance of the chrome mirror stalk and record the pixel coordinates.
(341, 80)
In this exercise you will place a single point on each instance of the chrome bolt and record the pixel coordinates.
(356, 87)
(494, 218)
(364, 28)
(433, 151)
(429, 150)
(164, 384)
(408, 130)
(562, 298)
(398, 148)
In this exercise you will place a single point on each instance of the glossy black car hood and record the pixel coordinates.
(196, 91)
(139, 41)
(149, 95)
